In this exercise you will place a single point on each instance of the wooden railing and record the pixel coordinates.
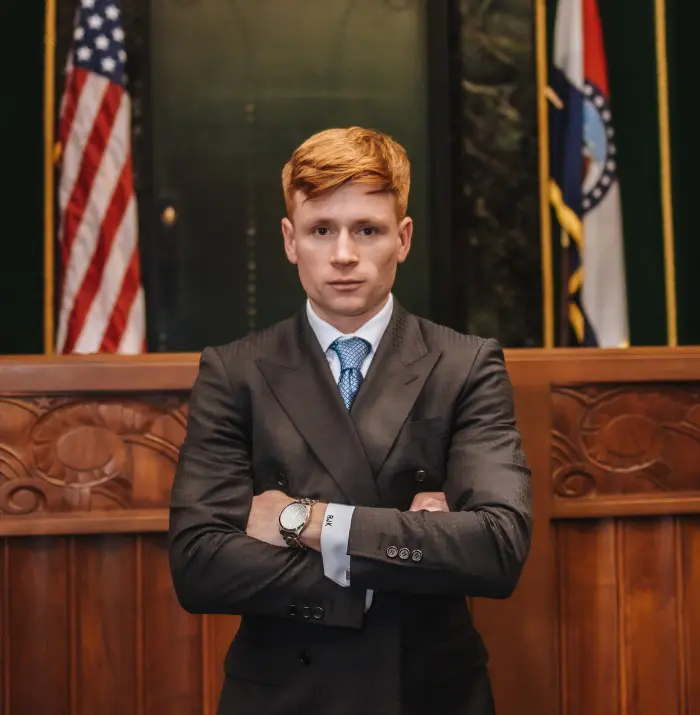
(605, 620)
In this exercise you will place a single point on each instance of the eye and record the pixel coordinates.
(368, 231)
(321, 230)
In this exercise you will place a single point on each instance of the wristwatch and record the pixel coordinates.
(293, 520)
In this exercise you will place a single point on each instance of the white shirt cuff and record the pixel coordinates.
(335, 535)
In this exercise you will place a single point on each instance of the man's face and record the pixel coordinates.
(346, 246)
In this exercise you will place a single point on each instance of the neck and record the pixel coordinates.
(347, 324)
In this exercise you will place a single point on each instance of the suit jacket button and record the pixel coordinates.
(305, 658)
(318, 613)
(392, 552)
(306, 612)
(420, 475)
(404, 553)
(417, 555)
(292, 610)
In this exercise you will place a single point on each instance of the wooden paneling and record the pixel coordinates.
(173, 684)
(604, 621)
(650, 612)
(38, 628)
(4, 628)
(589, 631)
(95, 620)
(218, 632)
(104, 596)
(690, 624)
(531, 640)
(629, 590)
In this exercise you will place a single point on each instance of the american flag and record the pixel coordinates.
(101, 296)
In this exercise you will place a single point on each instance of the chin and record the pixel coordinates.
(347, 305)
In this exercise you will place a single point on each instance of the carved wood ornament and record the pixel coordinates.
(67, 454)
(633, 439)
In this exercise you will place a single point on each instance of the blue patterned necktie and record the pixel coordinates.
(352, 353)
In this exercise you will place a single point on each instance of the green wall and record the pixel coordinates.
(629, 35)
(683, 20)
(21, 235)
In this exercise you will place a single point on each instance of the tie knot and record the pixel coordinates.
(351, 352)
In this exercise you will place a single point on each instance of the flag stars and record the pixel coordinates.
(606, 178)
(99, 39)
(84, 54)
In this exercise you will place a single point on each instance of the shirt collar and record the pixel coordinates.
(372, 331)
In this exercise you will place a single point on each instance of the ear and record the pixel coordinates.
(405, 236)
(290, 245)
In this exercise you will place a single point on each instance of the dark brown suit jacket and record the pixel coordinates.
(434, 413)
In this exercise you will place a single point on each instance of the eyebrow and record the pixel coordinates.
(363, 220)
(369, 220)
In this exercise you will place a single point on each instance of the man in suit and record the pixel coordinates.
(351, 474)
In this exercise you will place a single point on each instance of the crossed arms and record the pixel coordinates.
(225, 552)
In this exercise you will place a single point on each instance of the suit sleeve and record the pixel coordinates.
(480, 546)
(215, 566)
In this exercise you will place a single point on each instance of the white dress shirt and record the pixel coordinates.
(335, 532)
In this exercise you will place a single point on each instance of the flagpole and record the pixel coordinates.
(49, 167)
(564, 290)
(666, 194)
(545, 215)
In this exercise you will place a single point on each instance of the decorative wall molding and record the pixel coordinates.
(625, 440)
(77, 454)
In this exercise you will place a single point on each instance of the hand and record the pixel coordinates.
(429, 501)
(263, 522)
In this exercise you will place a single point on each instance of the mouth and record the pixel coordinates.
(345, 284)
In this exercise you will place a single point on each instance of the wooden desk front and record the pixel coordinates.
(604, 622)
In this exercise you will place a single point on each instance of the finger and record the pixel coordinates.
(437, 505)
(428, 505)
(422, 500)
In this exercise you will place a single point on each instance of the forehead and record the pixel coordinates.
(348, 202)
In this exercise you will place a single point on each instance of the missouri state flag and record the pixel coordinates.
(584, 187)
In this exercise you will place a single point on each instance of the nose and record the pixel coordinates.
(345, 250)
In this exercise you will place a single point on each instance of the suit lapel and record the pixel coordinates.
(299, 376)
(396, 377)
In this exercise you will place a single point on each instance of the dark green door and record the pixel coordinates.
(235, 86)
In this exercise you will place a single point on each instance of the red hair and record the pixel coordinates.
(335, 157)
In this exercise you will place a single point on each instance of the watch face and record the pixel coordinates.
(293, 517)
